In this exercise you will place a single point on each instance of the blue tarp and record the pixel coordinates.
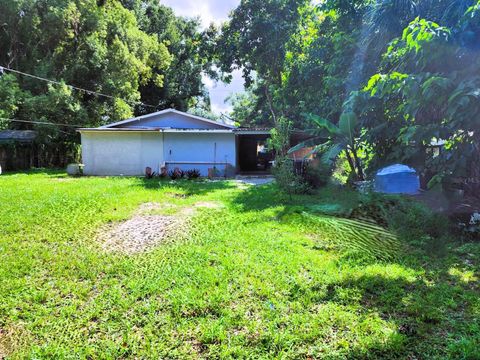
(397, 179)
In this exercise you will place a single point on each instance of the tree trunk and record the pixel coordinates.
(358, 165)
(270, 105)
(351, 162)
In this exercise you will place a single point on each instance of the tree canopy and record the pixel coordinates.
(408, 71)
(137, 52)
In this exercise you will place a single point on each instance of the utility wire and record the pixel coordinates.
(90, 92)
(40, 122)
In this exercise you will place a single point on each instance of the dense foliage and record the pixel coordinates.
(407, 69)
(428, 90)
(137, 52)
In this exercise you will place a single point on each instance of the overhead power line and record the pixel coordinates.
(40, 122)
(90, 92)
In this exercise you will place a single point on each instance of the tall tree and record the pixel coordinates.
(255, 40)
(98, 47)
(427, 90)
(192, 58)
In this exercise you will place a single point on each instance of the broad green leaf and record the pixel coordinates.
(306, 144)
(332, 153)
(347, 124)
(323, 123)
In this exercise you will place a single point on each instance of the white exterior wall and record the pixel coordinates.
(129, 153)
(121, 153)
(200, 147)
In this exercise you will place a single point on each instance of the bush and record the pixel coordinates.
(163, 173)
(176, 174)
(287, 180)
(418, 224)
(316, 175)
(375, 207)
(149, 174)
(193, 174)
(412, 221)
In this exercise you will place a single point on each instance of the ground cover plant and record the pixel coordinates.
(261, 275)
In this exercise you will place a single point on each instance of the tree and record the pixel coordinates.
(134, 51)
(192, 56)
(428, 91)
(255, 40)
(321, 60)
(250, 108)
(11, 99)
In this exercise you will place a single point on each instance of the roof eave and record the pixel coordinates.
(251, 132)
(116, 130)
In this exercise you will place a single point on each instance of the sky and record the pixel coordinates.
(211, 11)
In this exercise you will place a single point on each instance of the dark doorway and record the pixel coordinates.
(253, 155)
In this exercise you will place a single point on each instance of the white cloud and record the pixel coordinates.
(209, 11)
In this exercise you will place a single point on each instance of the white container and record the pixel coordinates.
(73, 169)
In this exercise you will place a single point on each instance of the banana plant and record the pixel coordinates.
(331, 140)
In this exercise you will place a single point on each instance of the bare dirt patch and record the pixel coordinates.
(150, 206)
(64, 179)
(143, 231)
(176, 195)
(147, 229)
(11, 338)
(140, 233)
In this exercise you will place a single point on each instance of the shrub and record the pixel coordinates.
(163, 172)
(416, 223)
(286, 178)
(284, 170)
(375, 207)
(149, 174)
(176, 174)
(412, 221)
(193, 174)
(316, 175)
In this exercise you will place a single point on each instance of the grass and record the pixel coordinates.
(264, 276)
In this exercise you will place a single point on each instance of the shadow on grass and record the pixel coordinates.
(51, 173)
(331, 200)
(188, 187)
(430, 315)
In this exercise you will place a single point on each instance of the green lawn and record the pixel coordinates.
(263, 276)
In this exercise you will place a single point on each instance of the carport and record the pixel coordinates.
(253, 156)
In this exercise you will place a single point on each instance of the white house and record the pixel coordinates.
(171, 139)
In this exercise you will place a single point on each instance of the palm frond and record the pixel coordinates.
(358, 236)
(321, 148)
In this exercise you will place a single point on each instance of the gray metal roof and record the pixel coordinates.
(24, 136)
(166, 111)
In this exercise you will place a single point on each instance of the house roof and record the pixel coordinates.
(23, 136)
(167, 111)
(238, 131)
(156, 129)
(252, 131)
(129, 126)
